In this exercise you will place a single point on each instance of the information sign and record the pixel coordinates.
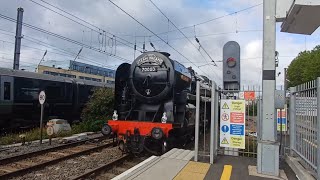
(232, 123)
(282, 116)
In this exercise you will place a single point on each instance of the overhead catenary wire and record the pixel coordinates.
(153, 33)
(61, 52)
(64, 38)
(205, 51)
(180, 31)
(216, 18)
(99, 30)
(214, 34)
(207, 21)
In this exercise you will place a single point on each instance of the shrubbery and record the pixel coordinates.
(100, 105)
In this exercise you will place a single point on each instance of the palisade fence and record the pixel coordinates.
(304, 117)
(252, 117)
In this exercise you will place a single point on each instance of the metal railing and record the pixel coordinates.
(252, 120)
(304, 116)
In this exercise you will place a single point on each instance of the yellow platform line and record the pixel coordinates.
(226, 174)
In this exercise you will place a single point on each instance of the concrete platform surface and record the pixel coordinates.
(177, 164)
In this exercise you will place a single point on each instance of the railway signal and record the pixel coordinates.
(231, 66)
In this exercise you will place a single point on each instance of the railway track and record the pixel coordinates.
(42, 151)
(21, 164)
(111, 169)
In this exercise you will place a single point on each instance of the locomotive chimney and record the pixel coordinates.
(165, 53)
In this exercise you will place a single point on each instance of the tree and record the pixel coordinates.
(100, 106)
(305, 67)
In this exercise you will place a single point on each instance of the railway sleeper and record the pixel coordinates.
(108, 175)
(119, 170)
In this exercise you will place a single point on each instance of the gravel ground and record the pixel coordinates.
(33, 146)
(74, 166)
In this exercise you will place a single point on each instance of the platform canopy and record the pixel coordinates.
(302, 17)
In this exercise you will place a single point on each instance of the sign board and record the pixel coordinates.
(232, 123)
(282, 116)
(42, 97)
(249, 95)
(50, 131)
(241, 95)
(280, 99)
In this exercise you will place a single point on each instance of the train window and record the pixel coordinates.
(71, 76)
(55, 91)
(26, 89)
(6, 91)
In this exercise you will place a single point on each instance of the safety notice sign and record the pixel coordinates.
(232, 123)
(282, 119)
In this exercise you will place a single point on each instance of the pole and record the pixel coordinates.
(318, 132)
(196, 139)
(204, 121)
(268, 147)
(212, 122)
(41, 117)
(292, 116)
(17, 46)
(280, 131)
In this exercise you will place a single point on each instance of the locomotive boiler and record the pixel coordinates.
(154, 108)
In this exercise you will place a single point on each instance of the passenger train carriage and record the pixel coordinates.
(154, 104)
(19, 104)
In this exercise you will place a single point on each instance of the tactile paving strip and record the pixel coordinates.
(193, 170)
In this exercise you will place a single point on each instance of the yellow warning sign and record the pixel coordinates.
(237, 142)
(238, 105)
(225, 106)
(224, 141)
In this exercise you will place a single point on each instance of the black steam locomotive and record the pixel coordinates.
(154, 103)
(19, 104)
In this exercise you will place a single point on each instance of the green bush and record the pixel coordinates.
(305, 67)
(99, 107)
(31, 135)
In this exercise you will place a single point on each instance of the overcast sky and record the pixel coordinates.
(245, 27)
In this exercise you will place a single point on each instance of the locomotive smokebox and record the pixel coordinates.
(152, 77)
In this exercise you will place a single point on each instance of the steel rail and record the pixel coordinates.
(51, 162)
(104, 167)
(43, 151)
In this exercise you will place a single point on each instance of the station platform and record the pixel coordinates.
(177, 164)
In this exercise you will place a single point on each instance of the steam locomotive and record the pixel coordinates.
(19, 104)
(154, 104)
